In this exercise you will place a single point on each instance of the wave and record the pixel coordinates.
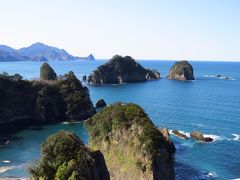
(197, 124)
(6, 168)
(71, 122)
(6, 161)
(219, 77)
(212, 174)
(182, 132)
(214, 137)
(236, 137)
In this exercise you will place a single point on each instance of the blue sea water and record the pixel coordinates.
(208, 104)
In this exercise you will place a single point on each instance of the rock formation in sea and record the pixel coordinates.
(181, 70)
(179, 134)
(88, 58)
(121, 70)
(24, 102)
(47, 73)
(84, 78)
(198, 136)
(132, 146)
(64, 156)
(100, 103)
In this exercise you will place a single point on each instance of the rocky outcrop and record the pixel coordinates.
(132, 146)
(64, 156)
(88, 58)
(24, 103)
(120, 70)
(84, 78)
(181, 70)
(100, 103)
(47, 73)
(198, 136)
(179, 134)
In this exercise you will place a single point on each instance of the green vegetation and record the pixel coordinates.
(132, 146)
(120, 116)
(121, 69)
(47, 73)
(76, 97)
(63, 157)
(42, 101)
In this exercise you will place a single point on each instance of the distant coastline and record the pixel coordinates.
(38, 52)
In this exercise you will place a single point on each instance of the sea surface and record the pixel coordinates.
(208, 104)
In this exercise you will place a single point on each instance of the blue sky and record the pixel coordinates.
(154, 29)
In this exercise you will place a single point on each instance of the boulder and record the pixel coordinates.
(178, 134)
(100, 103)
(208, 139)
(181, 70)
(120, 70)
(84, 78)
(47, 73)
(196, 135)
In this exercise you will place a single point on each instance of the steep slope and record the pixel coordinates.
(181, 70)
(31, 102)
(132, 146)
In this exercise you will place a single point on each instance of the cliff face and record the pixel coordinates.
(132, 146)
(181, 70)
(29, 102)
(64, 156)
(121, 70)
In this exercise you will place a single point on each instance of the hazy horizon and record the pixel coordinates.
(157, 30)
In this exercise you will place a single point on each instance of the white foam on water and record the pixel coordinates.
(186, 133)
(6, 161)
(214, 137)
(6, 168)
(197, 124)
(236, 137)
(71, 122)
(209, 75)
(212, 174)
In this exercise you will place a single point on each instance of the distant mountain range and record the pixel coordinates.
(38, 52)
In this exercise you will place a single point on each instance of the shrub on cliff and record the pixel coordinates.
(63, 156)
(132, 146)
(47, 73)
(76, 96)
(123, 116)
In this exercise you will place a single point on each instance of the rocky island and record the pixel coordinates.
(132, 146)
(181, 70)
(120, 70)
(26, 102)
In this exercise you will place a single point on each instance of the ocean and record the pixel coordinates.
(208, 104)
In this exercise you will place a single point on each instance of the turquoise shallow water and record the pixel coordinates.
(208, 104)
